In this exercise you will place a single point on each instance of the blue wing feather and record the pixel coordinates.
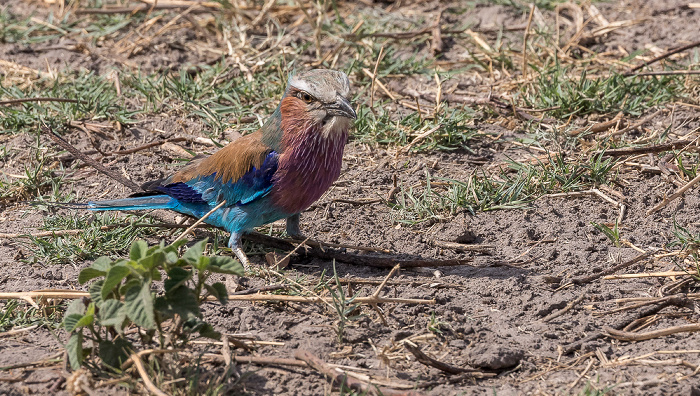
(182, 192)
(255, 183)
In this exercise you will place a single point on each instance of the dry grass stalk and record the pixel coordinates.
(632, 336)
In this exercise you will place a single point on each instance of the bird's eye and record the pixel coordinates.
(305, 97)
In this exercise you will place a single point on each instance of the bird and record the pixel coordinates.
(274, 173)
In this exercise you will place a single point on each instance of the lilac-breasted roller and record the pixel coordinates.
(274, 173)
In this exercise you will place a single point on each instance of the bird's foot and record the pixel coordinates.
(234, 243)
(242, 257)
(293, 229)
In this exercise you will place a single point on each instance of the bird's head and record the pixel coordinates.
(318, 98)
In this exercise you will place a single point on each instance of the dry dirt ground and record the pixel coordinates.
(513, 309)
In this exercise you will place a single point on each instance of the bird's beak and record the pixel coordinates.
(341, 107)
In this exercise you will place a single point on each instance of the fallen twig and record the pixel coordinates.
(99, 167)
(658, 148)
(668, 73)
(564, 310)
(18, 331)
(448, 368)
(341, 378)
(436, 43)
(677, 300)
(598, 127)
(200, 221)
(666, 200)
(40, 99)
(144, 375)
(53, 359)
(662, 56)
(612, 270)
(355, 259)
(647, 275)
(636, 125)
(462, 247)
(73, 294)
(578, 378)
(632, 336)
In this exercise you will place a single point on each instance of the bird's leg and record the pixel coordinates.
(235, 244)
(293, 229)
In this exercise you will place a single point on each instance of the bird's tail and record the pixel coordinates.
(136, 203)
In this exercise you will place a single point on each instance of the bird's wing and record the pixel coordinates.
(238, 174)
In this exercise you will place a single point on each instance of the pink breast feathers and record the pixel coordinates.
(308, 167)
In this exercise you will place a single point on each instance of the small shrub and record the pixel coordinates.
(122, 295)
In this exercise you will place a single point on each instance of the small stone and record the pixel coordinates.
(494, 357)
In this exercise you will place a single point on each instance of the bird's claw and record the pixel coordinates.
(293, 229)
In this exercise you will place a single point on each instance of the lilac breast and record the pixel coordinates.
(307, 168)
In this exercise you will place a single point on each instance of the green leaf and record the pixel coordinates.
(74, 350)
(225, 265)
(138, 250)
(128, 285)
(138, 302)
(162, 306)
(112, 313)
(76, 307)
(115, 353)
(95, 291)
(89, 273)
(70, 322)
(218, 290)
(152, 261)
(183, 302)
(176, 277)
(207, 330)
(193, 254)
(171, 257)
(114, 277)
(203, 263)
(87, 319)
(177, 244)
(102, 264)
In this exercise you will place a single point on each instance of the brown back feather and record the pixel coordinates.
(230, 163)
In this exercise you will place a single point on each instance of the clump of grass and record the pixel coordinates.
(581, 95)
(380, 127)
(507, 189)
(685, 240)
(612, 233)
(93, 242)
(96, 98)
(16, 315)
(344, 307)
(524, 5)
(37, 182)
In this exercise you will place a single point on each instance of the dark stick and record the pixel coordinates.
(663, 56)
(612, 270)
(448, 368)
(260, 289)
(677, 300)
(99, 167)
(354, 259)
(149, 145)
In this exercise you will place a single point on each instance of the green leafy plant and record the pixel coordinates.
(435, 325)
(122, 295)
(343, 305)
(612, 233)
